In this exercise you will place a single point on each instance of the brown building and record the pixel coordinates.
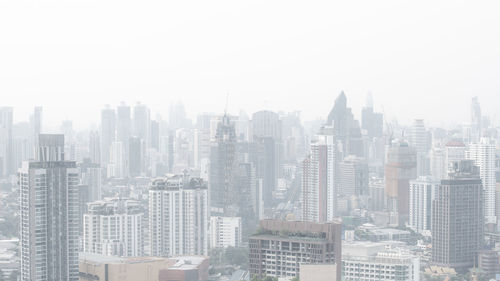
(95, 267)
(280, 247)
(400, 168)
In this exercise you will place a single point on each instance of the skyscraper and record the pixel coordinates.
(108, 129)
(418, 139)
(422, 193)
(178, 216)
(319, 180)
(458, 218)
(400, 168)
(49, 214)
(123, 133)
(476, 120)
(6, 148)
(223, 169)
(483, 154)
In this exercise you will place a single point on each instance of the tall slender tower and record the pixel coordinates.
(6, 148)
(49, 214)
(483, 153)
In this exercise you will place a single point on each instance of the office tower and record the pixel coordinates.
(91, 176)
(265, 131)
(346, 128)
(223, 169)
(293, 136)
(298, 243)
(116, 166)
(177, 116)
(225, 232)
(353, 176)
(366, 261)
(400, 168)
(319, 180)
(251, 203)
(458, 218)
(155, 135)
(454, 151)
(36, 129)
(243, 126)
(483, 154)
(476, 121)
(377, 194)
(372, 122)
(6, 146)
(438, 163)
(94, 147)
(422, 193)
(136, 156)
(108, 130)
(69, 139)
(114, 227)
(167, 150)
(419, 140)
(142, 123)
(49, 214)
(124, 132)
(178, 216)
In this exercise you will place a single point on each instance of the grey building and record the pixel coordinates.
(458, 218)
(49, 214)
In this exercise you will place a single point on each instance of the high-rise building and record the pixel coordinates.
(136, 156)
(319, 180)
(116, 166)
(225, 232)
(35, 128)
(353, 177)
(458, 218)
(419, 140)
(49, 214)
(454, 151)
(400, 168)
(94, 147)
(142, 123)
(223, 170)
(279, 247)
(372, 122)
(483, 154)
(422, 193)
(91, 176)
(178, 216)
(108, 130)
(6, 146)
(124, 132)
(476, 121)
(114, 227)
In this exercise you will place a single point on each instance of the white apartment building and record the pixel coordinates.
(369, 261)
(225, 232)
(114, 227)
(178, 216)
(422, 192)
(483, 154)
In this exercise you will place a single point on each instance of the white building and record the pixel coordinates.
(319, 190)
(116, 167)
(178, 216)
(422, 192)
(49, 214)
(114, 227)
(378, 261)
(483, 153)
(225, 232)
(454, 151)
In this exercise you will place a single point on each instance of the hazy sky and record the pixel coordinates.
(422, 59)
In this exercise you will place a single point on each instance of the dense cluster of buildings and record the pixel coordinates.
(144, 198)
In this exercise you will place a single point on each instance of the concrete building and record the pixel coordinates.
(110, 268)
(114, 227)
(318, 272)
(422, 193)
(279, 247)
(458, 218)
(108, 130)
(353, 177)
(178, 216)
(419, 140)
(377, 261)
(319, 180)
(6, 142)
(400, 168)
(225, 232)
(483, 154)
(49, 214)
